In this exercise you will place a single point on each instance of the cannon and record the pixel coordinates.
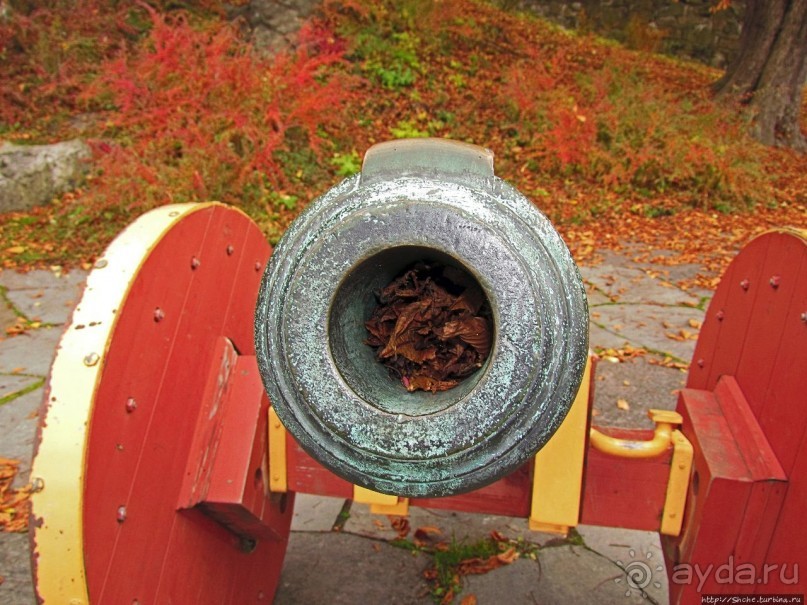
(433, 202)
(204, 380)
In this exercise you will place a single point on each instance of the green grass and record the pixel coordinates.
(25, 390)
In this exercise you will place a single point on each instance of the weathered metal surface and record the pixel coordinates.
(119, 424)
(420, 200)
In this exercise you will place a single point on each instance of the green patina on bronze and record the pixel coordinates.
(434, 201)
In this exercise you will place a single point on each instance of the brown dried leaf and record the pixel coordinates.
(668, 362)
(410, 313)
(497, 537)
(427, 335)
(508, 556)
(470, 300)
(426, 535)
(440, 298)
(15, 504)
(401, 525)
(409, 351)
(425, 383)
(401, 287)
(477, 565)
(473, 330)
(461, 369)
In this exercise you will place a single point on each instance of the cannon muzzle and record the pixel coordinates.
(422, 211)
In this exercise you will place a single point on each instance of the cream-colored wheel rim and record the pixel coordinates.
(59, 464)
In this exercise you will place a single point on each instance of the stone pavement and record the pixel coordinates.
(634, 305)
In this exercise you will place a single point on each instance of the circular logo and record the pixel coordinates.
(638, 574)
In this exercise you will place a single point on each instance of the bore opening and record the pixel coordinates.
(431, 327)
(356, 301)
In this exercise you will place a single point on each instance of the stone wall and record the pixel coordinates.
(273, 23)
(684, 27)
(32, 175)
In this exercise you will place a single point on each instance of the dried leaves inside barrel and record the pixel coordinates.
(432, 327)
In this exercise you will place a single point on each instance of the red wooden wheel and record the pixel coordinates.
(152, 453)
(745, 412)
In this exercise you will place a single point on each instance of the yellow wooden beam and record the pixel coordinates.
(558, 477)
(276, 451)
(381, 504)
(677, 485)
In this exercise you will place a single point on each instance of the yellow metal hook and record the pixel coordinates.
(665, 421)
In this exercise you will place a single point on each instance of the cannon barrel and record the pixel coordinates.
(436, 203)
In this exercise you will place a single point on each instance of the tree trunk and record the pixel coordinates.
(770, 70)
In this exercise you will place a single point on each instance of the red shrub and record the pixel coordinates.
(204, 116)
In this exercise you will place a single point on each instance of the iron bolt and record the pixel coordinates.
(91, 359)
(247, 545)
(230, 250)
(257, 266)
(121, 515)
(804, 317)
(720, 315)
(195, 262)
(774, 281)
(701, 363)
(159, 314)
(131, 405)
(745, 284)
